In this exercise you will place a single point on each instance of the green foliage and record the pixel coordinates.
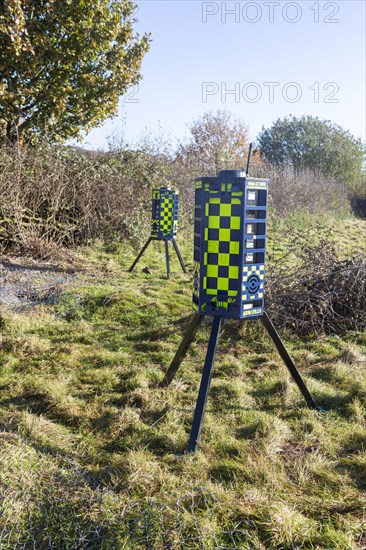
(318, 145)
(64, 64)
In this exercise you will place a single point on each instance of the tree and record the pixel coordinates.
(217, 141)
(64, 64)
(308, 143)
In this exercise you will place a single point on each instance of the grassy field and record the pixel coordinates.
(91, 448)
(348, 234)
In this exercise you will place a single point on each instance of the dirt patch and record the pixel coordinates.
(26, 284)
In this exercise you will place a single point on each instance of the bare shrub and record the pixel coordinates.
(290, 190)
(322, 294)
(55, 196)
(59, 196)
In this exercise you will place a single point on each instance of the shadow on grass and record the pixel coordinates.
(335, 402)
(175, 327)
(103, 422)
(277, 388)
(11, 266)
(110, 339)
(324, 374)
(129, 399)
(227, 472)
(143, 340)
(161, 444)
(158, 444)
(36, 403)
(353, 461)
(355, 443)
(41, 404)
(152, 417)
(356, 470)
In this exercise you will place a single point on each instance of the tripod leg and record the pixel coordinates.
(179, 256)
(182, 350)
(167, 260)
(288, 362)
(140, 254)
(205, 385)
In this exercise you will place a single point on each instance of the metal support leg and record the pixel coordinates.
(179, 256)
(288, 362)
(140, 254)
(167, 260)
(205, 385)
(182, 350)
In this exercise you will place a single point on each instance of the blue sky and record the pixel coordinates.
(277, 58)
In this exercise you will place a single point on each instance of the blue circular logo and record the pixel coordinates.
(253, 284)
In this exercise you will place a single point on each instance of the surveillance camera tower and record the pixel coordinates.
(229, 270)
(164, 224)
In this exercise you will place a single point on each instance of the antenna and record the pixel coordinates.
(248, 162)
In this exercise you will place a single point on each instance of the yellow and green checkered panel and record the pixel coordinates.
(164, 213)
(167, 214)
(222, 246)
(229, 245)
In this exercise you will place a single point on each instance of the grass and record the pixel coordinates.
(91, 448)
(346, 232)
